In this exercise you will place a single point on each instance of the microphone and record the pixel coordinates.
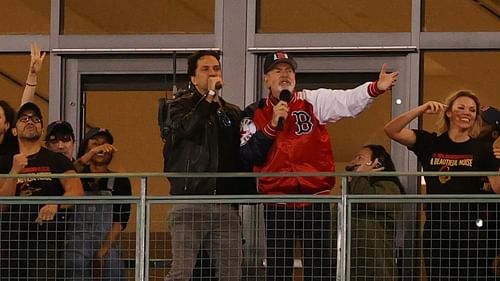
(286, 96)
(218, 85)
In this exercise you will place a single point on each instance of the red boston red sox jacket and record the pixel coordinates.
(303, 145)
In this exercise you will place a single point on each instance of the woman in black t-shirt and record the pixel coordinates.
(454, 245)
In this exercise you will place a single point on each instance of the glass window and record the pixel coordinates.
(333, 16)
(13, 70)
(25, 17)
(138, 17)
(461, 15)
(448, 71)
(138, 148)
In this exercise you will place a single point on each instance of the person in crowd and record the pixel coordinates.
(8, 143)
(490, 130)
(60, 138)
(204, 137)
(286, 132)
(452, 244)
(93, 249)
(35, 231)
(373, 225)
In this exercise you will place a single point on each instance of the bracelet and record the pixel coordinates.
(31, 85)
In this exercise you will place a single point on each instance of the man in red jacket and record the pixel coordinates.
(286, 132)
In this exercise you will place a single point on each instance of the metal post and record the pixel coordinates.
(342, 233)
(140, 243)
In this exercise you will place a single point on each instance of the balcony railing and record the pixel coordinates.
(391, 226)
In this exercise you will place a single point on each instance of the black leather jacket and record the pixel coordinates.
(193, 146)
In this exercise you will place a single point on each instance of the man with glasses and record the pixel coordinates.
(36, 231)
(204, 138)
(8, 143)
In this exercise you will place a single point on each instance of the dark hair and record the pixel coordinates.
(193, 60)
(10, 115)
(379, 152)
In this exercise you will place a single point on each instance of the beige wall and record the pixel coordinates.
(131, 118)
(197, 16)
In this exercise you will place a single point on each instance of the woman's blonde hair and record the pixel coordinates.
(444, 121)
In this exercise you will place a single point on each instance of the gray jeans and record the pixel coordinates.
(217, 228)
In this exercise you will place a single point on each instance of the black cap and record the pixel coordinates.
(278, 57)
(29, 106)
(59, 128)
(92, 133)
(491, 116)
(99, 131)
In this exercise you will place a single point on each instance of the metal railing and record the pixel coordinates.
(344, 203)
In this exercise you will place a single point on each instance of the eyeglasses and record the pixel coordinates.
(223, 118)
(33, 118)
(55, 140)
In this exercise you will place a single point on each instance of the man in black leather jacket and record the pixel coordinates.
(205, 137)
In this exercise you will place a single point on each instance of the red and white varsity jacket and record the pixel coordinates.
(304, 144)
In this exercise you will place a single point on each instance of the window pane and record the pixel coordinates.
(139, 144)
(25, 17)
(138, 17)
(334, 16)
(13, 72)
(447, 72)
(461, 15)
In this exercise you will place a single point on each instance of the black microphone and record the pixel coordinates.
(218, 85)
(286, 96)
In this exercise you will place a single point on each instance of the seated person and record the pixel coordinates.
(373, 224)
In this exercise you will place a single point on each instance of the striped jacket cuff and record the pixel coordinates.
(373, 90)
(269, 131)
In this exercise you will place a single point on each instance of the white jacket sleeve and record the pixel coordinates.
(333, 105)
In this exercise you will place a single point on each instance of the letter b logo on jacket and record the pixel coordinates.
(303, 121)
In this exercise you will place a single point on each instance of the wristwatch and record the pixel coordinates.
(211, 93)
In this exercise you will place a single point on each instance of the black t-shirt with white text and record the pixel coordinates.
(439, 153)
(40, 164)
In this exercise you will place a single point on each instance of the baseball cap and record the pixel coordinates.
(278, 57)
(90, 135)
(59, 128)
(99, 131)
(491, 116)
(27, 107)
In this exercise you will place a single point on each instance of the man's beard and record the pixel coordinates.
(289, 88)
(30, 137)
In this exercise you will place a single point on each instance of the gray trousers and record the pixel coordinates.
(213, 227)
